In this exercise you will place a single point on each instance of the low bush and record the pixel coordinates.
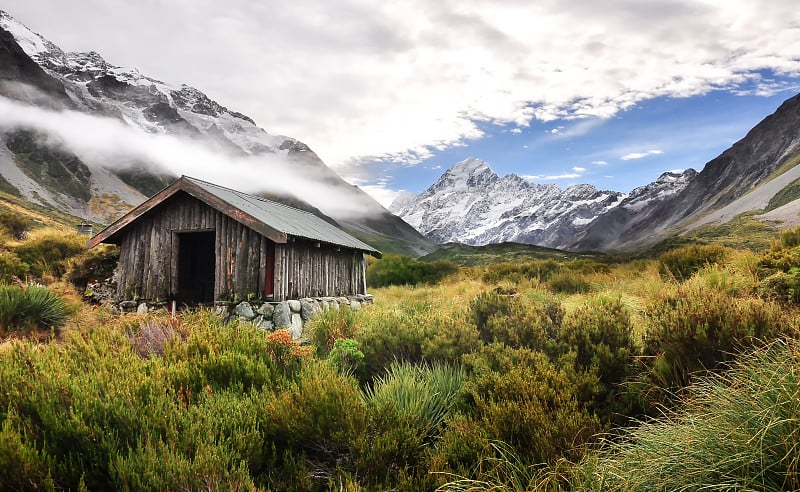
(12, 268)
(520, 397)
(95, 265)
(404, 270)
(347, 357)
(329, 326)
(32, 308)
(49, 253)
(693, 330)
(782, 286)
(568, 282)
(600, 332)
(681, 263)
(14, 225)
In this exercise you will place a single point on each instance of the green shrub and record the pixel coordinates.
(540, 270)
(404, 270)
(23, 310)
(329, 326)
(95, 265)
(487, 305)
(347, 357)
(520, 397)
(12, 268)
(782, 286)
(310, 425)
(514, 321)
(49, 253)
(600, 332)
(693, 330)
(568, 282)
(14, 224)
(682, 263)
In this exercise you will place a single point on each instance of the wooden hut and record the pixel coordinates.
(197, 242)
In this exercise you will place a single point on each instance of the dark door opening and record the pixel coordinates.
(196, 262)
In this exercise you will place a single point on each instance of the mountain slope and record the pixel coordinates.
(743, 178)
(87, 83)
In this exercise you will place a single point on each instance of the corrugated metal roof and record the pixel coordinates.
(284, 218)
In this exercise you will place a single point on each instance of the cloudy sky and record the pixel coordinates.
(391, 94)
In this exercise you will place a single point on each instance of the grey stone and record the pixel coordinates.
(128, 304)
(264, 323)
(342, 300)
(221, 310)
(141, 308)
(294, 305)
(306, 310)
(355, 305)
(334, 305)
(244, 310)
(296, 328)
(266, 309)
(281, 316)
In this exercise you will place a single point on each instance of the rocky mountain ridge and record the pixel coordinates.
(471, 204)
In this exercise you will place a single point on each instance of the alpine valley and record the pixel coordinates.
(469, 204)
(34, 167)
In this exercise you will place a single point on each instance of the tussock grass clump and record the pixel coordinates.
(30, 308)
(421, 393)
(738, 430)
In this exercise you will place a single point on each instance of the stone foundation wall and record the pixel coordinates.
(289, 315)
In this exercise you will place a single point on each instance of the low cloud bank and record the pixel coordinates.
(113, 144)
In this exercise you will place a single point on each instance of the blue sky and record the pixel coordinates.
(619, 153)
(390, 94)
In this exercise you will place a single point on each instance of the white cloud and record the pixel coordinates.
(358, 80)
(599, 163)
(640, 155)
(516, 130)
(381, 193)
(552, 178)
(108, 142)
(579, 169)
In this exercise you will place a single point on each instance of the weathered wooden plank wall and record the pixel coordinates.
(303, 269)
(149, 258)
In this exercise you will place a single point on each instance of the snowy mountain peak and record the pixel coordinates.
(470, 166)
(31, 42)
(473, 205)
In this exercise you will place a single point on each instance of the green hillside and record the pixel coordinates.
(465, 255)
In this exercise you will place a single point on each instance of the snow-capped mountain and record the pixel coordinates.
(102, 191)
(471, 204)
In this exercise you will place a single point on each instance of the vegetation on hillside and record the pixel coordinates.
(676, 373)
